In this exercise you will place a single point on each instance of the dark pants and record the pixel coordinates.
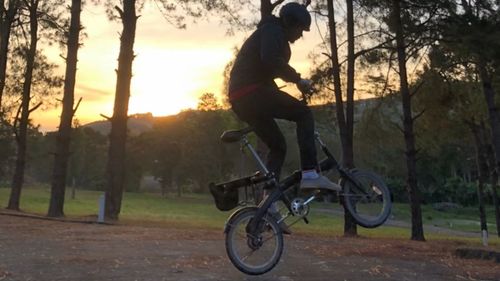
(260, 108)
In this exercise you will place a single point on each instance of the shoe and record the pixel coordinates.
(320, 182)
(283, 226)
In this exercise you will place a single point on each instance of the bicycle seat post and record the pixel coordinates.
(325, 150)
(318, 138)
(246, 143)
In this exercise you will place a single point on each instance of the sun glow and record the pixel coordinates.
(172, 67)
(166, 81)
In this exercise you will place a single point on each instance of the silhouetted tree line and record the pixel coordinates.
(183, 153)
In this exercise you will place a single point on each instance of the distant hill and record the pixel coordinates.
(137, 124)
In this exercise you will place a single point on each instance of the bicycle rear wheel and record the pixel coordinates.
(258, 254)
(367, 198)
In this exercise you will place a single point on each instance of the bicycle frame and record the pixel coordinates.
(279, 188)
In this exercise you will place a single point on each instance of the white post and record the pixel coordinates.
(100, 216)
(484, 234)
(73, 189)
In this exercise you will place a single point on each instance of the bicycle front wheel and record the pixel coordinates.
(367, 198)
(253, 254)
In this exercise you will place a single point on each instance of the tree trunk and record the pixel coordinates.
(2, 11)
(350, 228)
(494, 195)
(163, 186)
(339, 104)
(118, 136)
(64, 135)
(5, 28)
(494, 122)
(348, 153)
(494, 182)
(494, 118)
(482, 165)
(417, 230)
(267, 7)
(22, 132)
(178, 187)
(4, 39)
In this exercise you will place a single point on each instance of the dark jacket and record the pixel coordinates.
(263, 57)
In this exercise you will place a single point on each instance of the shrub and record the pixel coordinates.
(457, 190)
(397, 186)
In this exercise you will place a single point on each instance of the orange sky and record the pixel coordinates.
(172, 68)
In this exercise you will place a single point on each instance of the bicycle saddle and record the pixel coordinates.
(235, 135)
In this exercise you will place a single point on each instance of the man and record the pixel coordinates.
(256, 99)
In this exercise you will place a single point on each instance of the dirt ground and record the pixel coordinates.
(39, 250)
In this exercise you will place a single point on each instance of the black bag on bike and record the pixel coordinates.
(225, 198)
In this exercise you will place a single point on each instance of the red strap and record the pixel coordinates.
(241, 92)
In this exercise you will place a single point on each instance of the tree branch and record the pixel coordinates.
(120, 11)
(386, 84)
(327, 55)
(275, 4)
(35, 107)
(77, 105)
(14, 126)
(106, 117)
(399, 128)
(419, 85)
(362, 52)
(418, 115)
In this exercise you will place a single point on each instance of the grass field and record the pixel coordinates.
(195, 210)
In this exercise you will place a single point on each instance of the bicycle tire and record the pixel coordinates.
(367, 198)
(236, 235)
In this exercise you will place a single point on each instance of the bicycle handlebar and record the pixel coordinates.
(307, 94)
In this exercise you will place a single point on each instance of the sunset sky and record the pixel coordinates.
(172, 69)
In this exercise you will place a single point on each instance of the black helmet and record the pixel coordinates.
(295, 14)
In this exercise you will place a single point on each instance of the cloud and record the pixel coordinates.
(91, 94)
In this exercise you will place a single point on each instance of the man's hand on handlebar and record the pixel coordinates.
(306, 88)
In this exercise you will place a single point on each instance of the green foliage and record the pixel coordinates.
(45, 82)
(378, 143)
(88, 154)
(459, 191)
(136, 149)
(7, 149)
(205, 158)
(397, 186)
(471, 33)
(185, 151)
(208, 102)
(40, 156)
